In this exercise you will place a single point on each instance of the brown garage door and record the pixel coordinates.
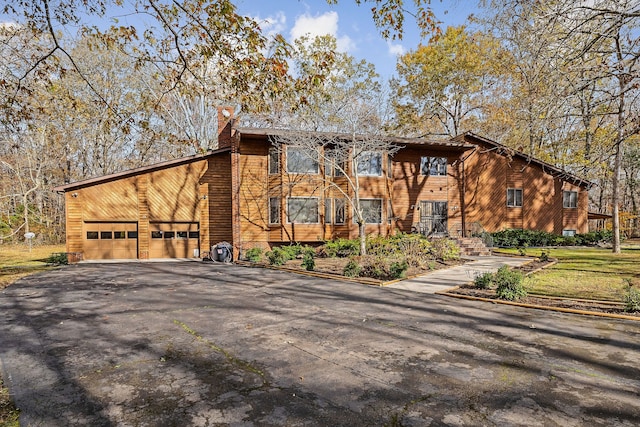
(110, 240)
(174, 240)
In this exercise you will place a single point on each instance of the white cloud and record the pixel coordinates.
(395, 49)
(272, 25)
(320, 25)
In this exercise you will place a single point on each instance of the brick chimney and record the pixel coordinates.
(225, 127)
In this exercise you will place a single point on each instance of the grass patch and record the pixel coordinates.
(9, 414)
(588, 273)
(16, 261)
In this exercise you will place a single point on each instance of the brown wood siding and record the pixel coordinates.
(173, 193)
(218, 180)
(254, 192)
(74, 238)
(410, 187)
(113, 201)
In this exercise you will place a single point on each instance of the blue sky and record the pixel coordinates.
(352, 25)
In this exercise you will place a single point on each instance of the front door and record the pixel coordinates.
(433, 218)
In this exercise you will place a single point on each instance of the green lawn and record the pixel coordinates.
(589, 273)
(17, 261)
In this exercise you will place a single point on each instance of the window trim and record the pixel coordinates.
(317, 199)
(317, 162)
(569, 205)
(515, 198)
(427, 160)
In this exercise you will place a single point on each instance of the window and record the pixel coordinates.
(119, 234)
(274, 161)
(569, 199)
(568, 233)
(302, 210)
(106, 235)
(327, 211)
(514, 197)
(301, 160)
(92, 235)
(371, 211)
(132, 234)
(333, 166)
(434, 166)
(194, 234)
(169, 234)
(156, 234)
(389, 212)
(181, 234)
(274, 210)
(338, 211)
(369, 163)
(389, 166)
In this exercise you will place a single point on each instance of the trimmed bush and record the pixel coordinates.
(444, 249)
(483, 281)
(509, 284)
(398, 270)
(342, 248)
(631, 299)
(513, 238)
(307, 260)
(58, 258)
(253, 254)
(352, 269)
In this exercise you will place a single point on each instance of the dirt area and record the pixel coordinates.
(585, 305)
(336, 266)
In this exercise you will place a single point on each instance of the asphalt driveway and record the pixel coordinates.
(162, 344)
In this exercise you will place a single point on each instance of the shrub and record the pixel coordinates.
(253, 254)
(342, 248)
(544, 255)
(399, 269)
(352, 269)
(307, 260)
(58, 258)
(277, 256)
(509, 284)
(483, 281)
(444, 249)
(631, 299)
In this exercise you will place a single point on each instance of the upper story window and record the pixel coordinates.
(434, 166)
(369, 163)
(274, 161)
(302, 160)
(569, 199)
(333, 166)
(389, 166)
(514, 197)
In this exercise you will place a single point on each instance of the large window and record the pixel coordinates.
(434, 166)
(369, 163)
(327, 211)
(302, 160)
(514, 197)
(569, 199)
(302, 210)
(274, 161)
(274, 210)
(371, 211)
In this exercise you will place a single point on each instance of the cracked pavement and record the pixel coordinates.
(204, 344)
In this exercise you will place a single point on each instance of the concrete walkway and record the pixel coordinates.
(441, 280)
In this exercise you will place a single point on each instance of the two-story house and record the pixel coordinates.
(254, 190)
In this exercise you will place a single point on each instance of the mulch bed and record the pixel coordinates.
(556, 302)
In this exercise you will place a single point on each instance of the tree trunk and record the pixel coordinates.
(617, 166)
(363, 238)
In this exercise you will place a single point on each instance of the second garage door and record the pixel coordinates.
(174, 240)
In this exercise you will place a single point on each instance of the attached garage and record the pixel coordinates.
(174, 240)
(106, 240)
